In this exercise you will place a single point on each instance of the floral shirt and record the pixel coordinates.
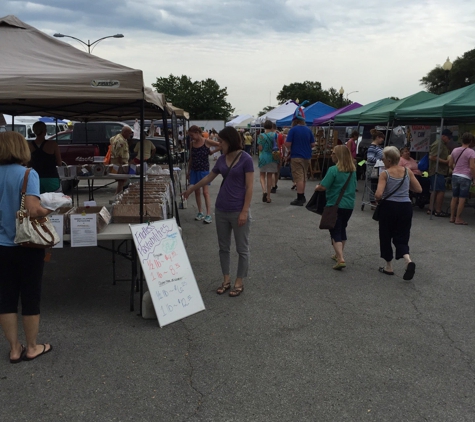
(120, 147)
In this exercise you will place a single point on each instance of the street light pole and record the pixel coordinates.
(89, 44)
(447, 66)
(341, 92)
(352, 92)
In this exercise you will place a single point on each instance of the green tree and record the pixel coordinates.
(462, 74)
(435, 81)
(313, 92)
(204, 100)
(265, 110)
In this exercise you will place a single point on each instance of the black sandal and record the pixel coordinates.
(222, 289)
(236, 291)
(264, 197)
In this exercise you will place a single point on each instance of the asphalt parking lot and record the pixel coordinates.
(302, 343)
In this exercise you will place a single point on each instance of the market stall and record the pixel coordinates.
(42, 75)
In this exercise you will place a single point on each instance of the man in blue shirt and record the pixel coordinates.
(300, 142)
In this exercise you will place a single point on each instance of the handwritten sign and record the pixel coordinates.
(420, 138)
(170, 279)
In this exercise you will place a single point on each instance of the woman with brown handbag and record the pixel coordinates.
(21, 268)
(341, 174)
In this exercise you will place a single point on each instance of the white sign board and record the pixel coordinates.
(420, 141)
(170, 279)
(83, 230)
(57, 220)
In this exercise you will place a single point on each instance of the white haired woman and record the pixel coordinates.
(395, 212)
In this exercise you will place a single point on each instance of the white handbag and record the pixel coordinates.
(33, 232)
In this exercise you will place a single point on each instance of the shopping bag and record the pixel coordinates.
(424, 163)
(329, 217)
(317, 202)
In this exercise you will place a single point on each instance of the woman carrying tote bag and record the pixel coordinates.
(341, 174)
(21, 268)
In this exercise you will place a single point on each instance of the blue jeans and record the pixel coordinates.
(460, 186)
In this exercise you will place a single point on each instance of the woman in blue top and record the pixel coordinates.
(333, 183)
(21, 268)
(267, 164)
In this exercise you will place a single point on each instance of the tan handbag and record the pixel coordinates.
(33, 232)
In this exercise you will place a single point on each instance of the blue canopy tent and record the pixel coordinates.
(51, 120)
(313, 111)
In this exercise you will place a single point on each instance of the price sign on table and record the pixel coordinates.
(170, 279)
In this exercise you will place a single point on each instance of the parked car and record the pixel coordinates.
(86, 141)
(24, 125)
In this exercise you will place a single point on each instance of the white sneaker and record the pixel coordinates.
(199, 217)
(208, 219)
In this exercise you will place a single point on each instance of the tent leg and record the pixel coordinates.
(436, 168)
(141, 184)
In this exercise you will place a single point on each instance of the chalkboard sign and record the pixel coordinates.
(170, 279)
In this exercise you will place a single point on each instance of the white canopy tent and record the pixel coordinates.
(278, 113)
(241, 121)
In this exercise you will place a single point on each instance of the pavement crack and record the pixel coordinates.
(465, 356)
(192, 371)
(419, 315)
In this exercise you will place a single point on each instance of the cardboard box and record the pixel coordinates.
(103, 217)
(130, 213)
(66, 212)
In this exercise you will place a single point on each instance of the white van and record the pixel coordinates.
(24, 125)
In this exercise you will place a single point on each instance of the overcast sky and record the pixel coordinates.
(379, 48)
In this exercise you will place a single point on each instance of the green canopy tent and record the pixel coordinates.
(450, 108)
(353, 117)
(386, 113)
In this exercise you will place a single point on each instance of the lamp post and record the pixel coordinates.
(447, 66)
(352, 92)
(88, 44)
(341, 92)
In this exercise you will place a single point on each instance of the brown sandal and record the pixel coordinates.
(222, 289)
(236, 291)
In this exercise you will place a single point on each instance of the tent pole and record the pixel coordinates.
(386, 140)
(436, 168)
(170, 165)
(141, 184)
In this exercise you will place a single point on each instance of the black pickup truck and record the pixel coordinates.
(86, 141)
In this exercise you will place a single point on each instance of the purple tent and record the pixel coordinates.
(330, 116)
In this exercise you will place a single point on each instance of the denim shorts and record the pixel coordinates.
(196, 176)
(460, 186)
(439, 183)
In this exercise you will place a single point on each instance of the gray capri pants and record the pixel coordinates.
(227, 222)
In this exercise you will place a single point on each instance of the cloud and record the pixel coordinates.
(253, 48)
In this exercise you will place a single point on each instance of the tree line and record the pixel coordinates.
(206, 100)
